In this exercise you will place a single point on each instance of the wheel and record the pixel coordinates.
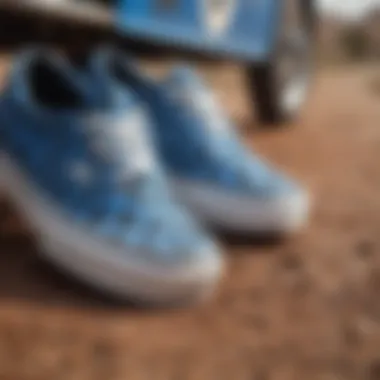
(281, 85)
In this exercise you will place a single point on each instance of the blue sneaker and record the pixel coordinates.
(211, 171)
(78, 162)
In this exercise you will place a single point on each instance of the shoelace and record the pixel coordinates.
(124, 145)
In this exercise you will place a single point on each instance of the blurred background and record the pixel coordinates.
(307, 307)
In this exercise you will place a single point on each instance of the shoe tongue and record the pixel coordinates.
(118, 122)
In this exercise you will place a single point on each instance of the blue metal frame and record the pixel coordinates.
(250, 34)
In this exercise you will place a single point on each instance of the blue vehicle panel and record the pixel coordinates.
(241, 29)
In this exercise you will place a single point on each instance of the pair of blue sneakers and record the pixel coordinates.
(117, 173)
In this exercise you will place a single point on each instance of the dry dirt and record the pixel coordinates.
(304, 308)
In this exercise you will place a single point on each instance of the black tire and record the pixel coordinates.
(267, 88)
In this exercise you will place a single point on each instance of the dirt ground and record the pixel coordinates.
(304, 308)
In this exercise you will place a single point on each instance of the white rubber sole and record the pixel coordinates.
(243, 215)
(104, 266)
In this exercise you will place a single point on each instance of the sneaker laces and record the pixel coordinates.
(122, 142)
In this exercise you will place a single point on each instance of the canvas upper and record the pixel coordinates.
(86, 147)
